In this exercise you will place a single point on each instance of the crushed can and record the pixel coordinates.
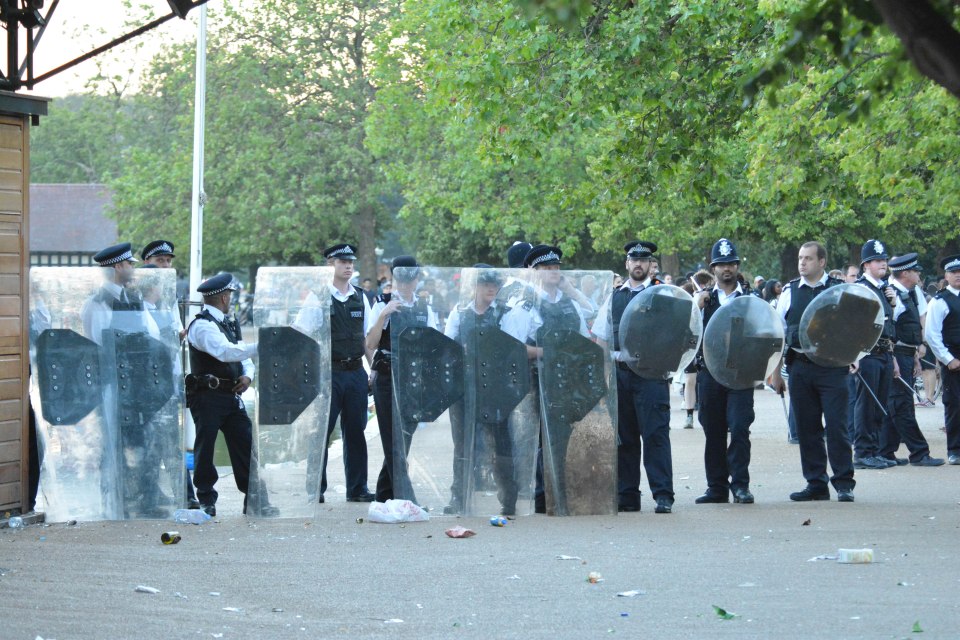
(170, 537)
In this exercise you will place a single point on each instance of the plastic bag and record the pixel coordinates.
(395, 511)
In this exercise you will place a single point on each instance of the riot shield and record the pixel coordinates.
(660, 332)
(105, 380)
(293, 389)
(495, 438)
(841, 325)
(426, 369)
(577, 395)
(742, 342)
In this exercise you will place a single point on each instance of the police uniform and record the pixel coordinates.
(876, 371)
(218, 359)
(724, 410)
(818, 400)
(529, 320)
(943, 335)
(901, 423)
(394, 480)
(464, 325)
(643, 406)
(105, 309)
(348, 400)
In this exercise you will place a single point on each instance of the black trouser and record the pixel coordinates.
(643, 421)
(951, 408)
(33, 473)
(876, 372)
(722, 411)
(494, 440)
(821, 392)
(215, 411)
(901, 423)
(348, 401)
(393, 481)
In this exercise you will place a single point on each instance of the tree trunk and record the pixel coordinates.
(930, 40)
(366, 225)
(788, 262)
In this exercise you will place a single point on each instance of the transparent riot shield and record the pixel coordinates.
(292, 321)
(105, 385)
(495, 439)
(841, 325)
(427, 378)
(577, 394)
(742, 342)
(660, 332)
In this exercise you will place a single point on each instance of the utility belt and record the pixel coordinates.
(905, 350)
(381, 362)
(792, 355)
(208, 382)
(348, 364)
(884, 345)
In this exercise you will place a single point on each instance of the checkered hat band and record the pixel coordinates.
(126, 255)
(544, 258)
(163, 248)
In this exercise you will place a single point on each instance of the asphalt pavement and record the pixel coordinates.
(766, 566)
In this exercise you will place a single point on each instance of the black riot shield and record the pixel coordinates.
(428, 373)
(660, 332)
(841, 325)
(68, 376)
(742, 342)
(293, 386)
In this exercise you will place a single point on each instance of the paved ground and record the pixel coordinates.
(332, 576)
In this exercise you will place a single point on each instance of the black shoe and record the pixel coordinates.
(209, 509)
(810, 494)
(927, 461)
(540, 505)
(899, 462)
(845, 496)
(268, 511)
(453, 508)
(508, 510)
(193, 503)
(363, 497)
(631, 508)
(793, 440)
(742, 496)
(664, 505)
(869, 463)
(713, 497)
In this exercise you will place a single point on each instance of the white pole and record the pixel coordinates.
(196, 219)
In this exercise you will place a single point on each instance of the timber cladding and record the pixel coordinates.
(14, 258)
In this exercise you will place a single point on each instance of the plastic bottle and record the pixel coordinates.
(15, 522)
(190, 516)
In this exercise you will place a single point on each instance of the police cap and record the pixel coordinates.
(723, 252)
(543, 254)
(114, 255)
(516, 253)
(872, 250)
(906, 262)
(639, 249)
(409, 269)
(342, 251)
(157, 248)
(950, 263)
(218, 284)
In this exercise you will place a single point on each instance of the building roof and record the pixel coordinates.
(70, 218)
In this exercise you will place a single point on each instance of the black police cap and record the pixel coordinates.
(906, 262)
(950, 263)
(543, 254)
(217, 284)
(640, 249)
(408, 268)
(114, 255)
(872, 250)
(487, 274)
(342, 251)
(157, 248)
(723, 252)
(517, 252)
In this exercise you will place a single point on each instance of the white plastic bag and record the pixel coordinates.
(395, 511)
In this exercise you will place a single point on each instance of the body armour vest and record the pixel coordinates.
(889, 329)
(950, 331)
(800, 299)
(123, 318)
(909, 329)
(202, 363)
(471, 322)
(559, 315)
(346, 326)
(417, 315)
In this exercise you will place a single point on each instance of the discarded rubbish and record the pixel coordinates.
(460, 532)
(806, 523)
(71, 523)
(724, 614)
(191, 516)
(277, 610)
(594, 577)
(393, 621)
(359, 520)
(633, 593)
(395, 511)
(514, 577)
(822, 557)
(563, 557)
(144, 589)
(170, 537)
(233, 609)
(15, 522)
(916, 627)
(498, 521)
(855, 556)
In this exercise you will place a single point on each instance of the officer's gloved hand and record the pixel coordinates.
(622, 356)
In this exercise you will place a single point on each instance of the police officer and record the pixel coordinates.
(643, 405)
(115, 295)
(401, 308)
(942, 332)
(348, 401)
(529, 320)
(877, 368)
(724, 410)
(818, 394)
(158, 253)
(901, 424)
(221, 370)
(464, 325)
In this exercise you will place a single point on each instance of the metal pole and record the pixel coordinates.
(873, 395)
